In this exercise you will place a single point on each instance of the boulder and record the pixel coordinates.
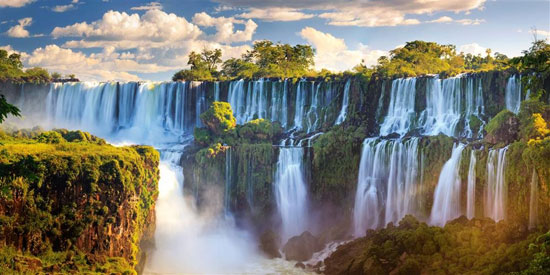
(269, 244)
(301, 248)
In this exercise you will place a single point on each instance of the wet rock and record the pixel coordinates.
(301, 248)
(300, 265)
(269, 244)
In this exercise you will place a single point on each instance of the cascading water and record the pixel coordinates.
(513, 94)
(400, 117)
(471, 191)
(496, 190)
(228, 183)
(345, 103)
(533, 198)
(163, 115)
(291, 191)
(445, 107)
(387, 178)
(446, 204)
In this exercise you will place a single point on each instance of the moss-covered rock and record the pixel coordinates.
(503, 128)
(58, 196)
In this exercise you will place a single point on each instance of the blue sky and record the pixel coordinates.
(133, 40)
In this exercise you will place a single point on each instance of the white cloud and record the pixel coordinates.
(63, 8)
(124, 30)
(472, 48)
(150, 6)
(543, 33)
(333, 53)
(19, 30)
(466, 21)
(14, 3)
(225, 27)
(131, 44)
(470, 21)
(275, 14)
(442, 19)
(363, 12)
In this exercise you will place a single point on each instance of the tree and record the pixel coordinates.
(56, 75)
(203, 66)
(7, 109)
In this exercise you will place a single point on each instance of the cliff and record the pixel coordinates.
(71, 203)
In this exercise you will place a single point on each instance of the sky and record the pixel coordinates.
(130, 40)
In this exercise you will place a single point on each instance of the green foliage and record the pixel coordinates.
(420, 58)
(256, 130)
(219, 118)
(499, 121)
(235, 68)
(203, 66)
(11, 68)
(461, 247)
(7, 109)
(541, 260)
(59, 187)
(477, 63)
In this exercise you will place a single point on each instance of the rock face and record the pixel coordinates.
(86, 197)
(503, 128)
(301, 248)
(269, 244)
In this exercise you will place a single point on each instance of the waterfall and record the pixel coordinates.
(291, 192)
(533, 205)
(496, 190)
(446, 204)
(217, 91)
(471, 191)
(513, 94)
(228, 183)
(300, 104)
(345, 103)
(401, 114)
(387, 183)
(445, 108)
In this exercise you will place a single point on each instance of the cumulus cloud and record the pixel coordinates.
(150, 6)
(275, 14)
(19, 30)
(333, 53)
(132, 44)
(225, 27)
(472, 48)
(466, 21)
(362, 12)
(124, 30)
(14, 3)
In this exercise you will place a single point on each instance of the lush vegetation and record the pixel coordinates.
(461, 247)
(7, 109)
(11, 68)
(266, 59)
(64, 198)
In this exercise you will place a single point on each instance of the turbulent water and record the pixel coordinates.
(495, 192)
(471, 191)
(387, 183)
(446, 204)
(388, 178)
(291, 191)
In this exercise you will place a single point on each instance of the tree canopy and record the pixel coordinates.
(11, 68)
(266, 59)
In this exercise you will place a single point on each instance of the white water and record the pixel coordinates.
(345, 103)
(450, 101)
(513, 94)
(160, 114)
(496, 190)
(446, 204)
(401, 115)
(533, 198)
(387, 183)
(291, 192)
(471, 192)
